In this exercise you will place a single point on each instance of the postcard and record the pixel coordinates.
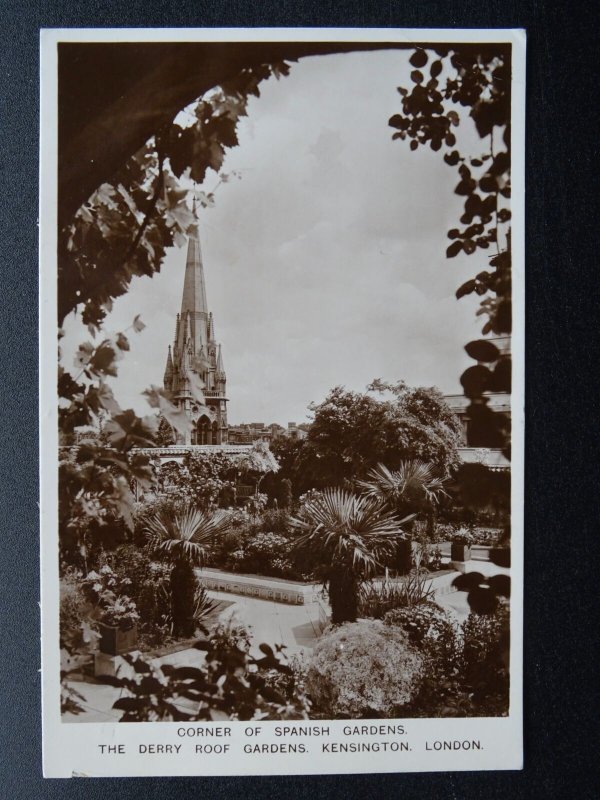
(282, 375)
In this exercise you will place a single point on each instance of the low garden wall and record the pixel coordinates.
(292, 592)
(275, 589)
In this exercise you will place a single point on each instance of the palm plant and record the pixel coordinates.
(415, 484)
(185, 534)
(349, 537)
(182, 538)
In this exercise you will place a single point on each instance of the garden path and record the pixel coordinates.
(296, 627)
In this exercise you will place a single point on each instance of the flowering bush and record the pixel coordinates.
(432, 630)
(364, 669)
(463, 536)
(311, 496)
(106, 590)
(264, 553)
(147, 583)
(444, 531)
(433, 559)
(486, 536)
(276, 520)
(121, 612)
(202, 478)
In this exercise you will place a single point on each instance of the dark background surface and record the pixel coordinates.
(562, 508)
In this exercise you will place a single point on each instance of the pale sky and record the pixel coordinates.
(325, 263)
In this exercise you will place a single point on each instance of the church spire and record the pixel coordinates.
(194, 289)
(195, 353)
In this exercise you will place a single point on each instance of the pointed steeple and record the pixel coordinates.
(168, 377)
(220, 367)
(194, 289)
(211, 328)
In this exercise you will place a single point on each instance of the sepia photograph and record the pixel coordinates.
(283, 441)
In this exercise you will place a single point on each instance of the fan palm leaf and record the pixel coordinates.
(184, 535)
(345, 529)
(412, 481)
(349, 535)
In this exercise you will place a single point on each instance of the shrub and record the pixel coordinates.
(256, 504)
(75, 610)
(275, 520)
(485, 659)
(463, 536)
(432, 630)
(230, 635)
(377, 599)
(204, 605)
(444, 531)
(146, 583)
(486, 536)
(364, 669)
(109, 594)
(264, 547)
(230, 684)
(432, 559)
(154, 601)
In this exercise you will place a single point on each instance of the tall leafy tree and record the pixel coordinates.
(354, 431)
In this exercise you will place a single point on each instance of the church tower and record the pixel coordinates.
(195, 360)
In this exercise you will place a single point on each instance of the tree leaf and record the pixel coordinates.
(103, 360)
(483, 350)
(84, 353)
(454, 249)
(122, 341)
(435, 68)
(419, 58)
(466, 288)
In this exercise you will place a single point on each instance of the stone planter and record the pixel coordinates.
(460, 552)
(116, 641)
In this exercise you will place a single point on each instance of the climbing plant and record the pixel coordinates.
(449, 86)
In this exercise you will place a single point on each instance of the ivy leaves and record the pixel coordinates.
(476, 78)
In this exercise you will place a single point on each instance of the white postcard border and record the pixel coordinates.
(75, 749)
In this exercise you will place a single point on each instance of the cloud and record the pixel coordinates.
(325, 263)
